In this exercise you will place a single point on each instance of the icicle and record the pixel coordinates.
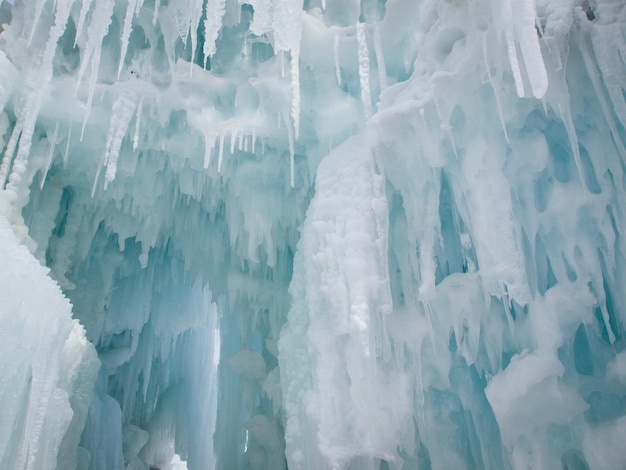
(364, 70)
(233, 138)
(336, 55)
(380, 57)
(121, 114)
(509, 34)
(61, 17)
(282, 65)
(98, 28)
(53, 142)
(209, 145)
(566, 117)
(245, 144)
(524, 21)
(9, 154)
(95, 180)
(138, 6)
(196, 14)
(38, 10)
(611, 64)
(138, 124)
(128, 26)
(25, 126)
(88, 108)
(84, 9)
(183, 21)
(25, 140)
(291, 156)
(220, 153)
(592, 71)
(214, 10)
(295, 92)
(67, 146)
(240, 146)
(253, 139)
(155, 16)
(496, 91)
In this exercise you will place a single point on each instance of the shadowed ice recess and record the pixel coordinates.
(313, 234)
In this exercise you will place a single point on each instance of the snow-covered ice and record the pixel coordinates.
(319, 234)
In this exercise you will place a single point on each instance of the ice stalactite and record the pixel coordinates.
(121, 115)
(18, 149)
(333, 299)
(364, 69)
(214, 11)
(98, 27)
(516, 21)
(131, 11)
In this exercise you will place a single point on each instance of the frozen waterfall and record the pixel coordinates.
(313, 234)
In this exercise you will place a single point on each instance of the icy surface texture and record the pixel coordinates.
(330, 234)
(48, 368)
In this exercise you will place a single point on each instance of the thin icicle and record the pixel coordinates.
(209, 145)
(292, 178)
(364, 70)
(380, 57)
(67, 145)
(9, 154)
(121, 114)
(496, 91)
(24, 128)
(220, 153)
(95, 179)
(214, 10)
(53, 143)
(61, 17)
(524, 25)
(592, 72)
(287, 36)
(25, 141)
(98, 28)
(84, 9)
(196, 14)
(128, 26)
(138, 124)
(233, 138)
(503, 19)
(183, 20)
(295, 92)
(38, 10)
(566, 116)
(138, 6)
(155, 16)
(336, 56)
(611, 65)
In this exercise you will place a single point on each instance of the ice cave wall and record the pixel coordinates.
(342, 234)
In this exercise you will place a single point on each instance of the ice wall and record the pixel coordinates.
(48, 367)
(339, 234)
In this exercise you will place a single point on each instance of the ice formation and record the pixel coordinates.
(335, 234)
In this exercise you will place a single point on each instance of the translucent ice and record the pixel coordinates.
(322, 234)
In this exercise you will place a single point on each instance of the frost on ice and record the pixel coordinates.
(335, 234)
